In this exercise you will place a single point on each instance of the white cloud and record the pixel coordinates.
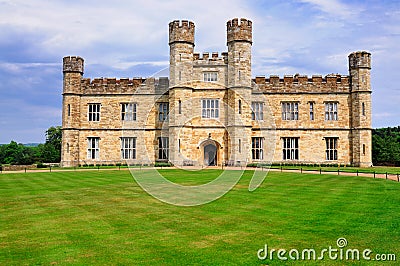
(333, 7)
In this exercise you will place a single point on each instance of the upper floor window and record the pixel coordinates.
(311, 111)
(210, 76)
(94, 111)
(69, 110)
(163, 110)
(290, 111)
(290, 148)
(93, 149)
(240, 106)
(331, 111)
(128, 111)
(331, 149)
(257, 111)
(128, 148)
(363, 108)
(210, 108)
(163, 148)
(179, 107)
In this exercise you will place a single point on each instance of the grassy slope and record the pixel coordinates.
(105, 218)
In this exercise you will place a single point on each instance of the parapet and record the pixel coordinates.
(215, 59)
(360, 59)
(73, 64)
(181, 31)
(239, 32)
(302, 84)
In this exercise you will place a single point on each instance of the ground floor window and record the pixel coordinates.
(163, 148)
(331, 149)
(128, 148)
(93, 148)
(257, 148)
(290, 148)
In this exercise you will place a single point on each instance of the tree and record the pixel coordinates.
(54, 137)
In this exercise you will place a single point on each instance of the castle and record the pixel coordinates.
(210, 111)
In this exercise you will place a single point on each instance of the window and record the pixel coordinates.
(239, 75)
(364, 148)
(128, 111)
(240, 106)
(290, 148)
(180, 75)
(128, 148)
(331, 149)
(257, 111)
(363, 108)
(240, 146)
(179, 145)
(210, 76)
(163, 145)
(179, 107)
(290, 111)
(69, 110)
(94, 111)
(163, 110)
(257, 148)
(67, 147)
(93, 148)
(311, 111)
(331, 111)
(210, 108)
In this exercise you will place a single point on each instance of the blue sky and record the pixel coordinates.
(125, 38)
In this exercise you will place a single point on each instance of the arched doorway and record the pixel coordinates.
(210, 154)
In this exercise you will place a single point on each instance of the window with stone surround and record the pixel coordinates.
(163, 110)
(311, 111)
(257, 148)
(210, 76)
(128, 111)
(93, 150)
(128, 148)
(290, 148)
(331, 111)
(331, 149)
(163, 148)
(257, 111)
(290, 111)
(94, 112)
(210, 108)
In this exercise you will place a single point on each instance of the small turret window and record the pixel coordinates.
(363, 108)
(69, 110)
(240, 106)
(210, 76)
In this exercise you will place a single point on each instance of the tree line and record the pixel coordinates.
(49, 152)
(385, 148)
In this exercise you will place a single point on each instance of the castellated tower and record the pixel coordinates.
(73, 71)
(181, 43)
(361, 134)
(239, 41)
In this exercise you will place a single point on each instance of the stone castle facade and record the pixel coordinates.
(210, 111)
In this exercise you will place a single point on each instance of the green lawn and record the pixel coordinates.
(103, 217)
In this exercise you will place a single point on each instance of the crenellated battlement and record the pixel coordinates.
(302, 84)
(73, 64)
(124, 85)
(360, 59)
(181, 31)
(239, 31)
(214, 59)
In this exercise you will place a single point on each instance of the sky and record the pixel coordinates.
(125, 38)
